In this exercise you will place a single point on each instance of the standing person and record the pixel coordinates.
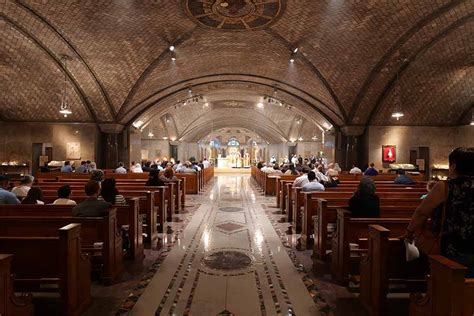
(64, 193)
(206, 163)
(294, 160)
(26, 183)
(109, 192)
(371, 171)
(313, 184)
(455, 198)
(6, 197)
(91, 206)
(365, 202)
(67, 168)
(35, 196)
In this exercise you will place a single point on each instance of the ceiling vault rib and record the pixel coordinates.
(413, 57)
(245, 81)
(315, 69)
(150, 68)
(40, 45)
(392, 50)
(102, 89)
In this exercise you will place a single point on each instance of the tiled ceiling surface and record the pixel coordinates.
(345, 71)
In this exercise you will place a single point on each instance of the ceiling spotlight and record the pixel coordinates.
(260, 105)
(172, 48)
(295, 50)
(165, 138)
(173, 55)
(173, 58)
(300, 139)
(150, 134)
(206, 104)
(298, 122)
(397, 115)
(292, 59)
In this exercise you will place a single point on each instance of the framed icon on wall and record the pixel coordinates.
(389, 153)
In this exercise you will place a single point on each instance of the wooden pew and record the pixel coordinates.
(355, 230)
(384, 267)
(49, 262)
(192, 182)
(11, 304)
(93, 229)
(449, 293)
(325, 211)
(280, 187)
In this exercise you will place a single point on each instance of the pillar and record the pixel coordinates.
(351, 146)
(110, 144)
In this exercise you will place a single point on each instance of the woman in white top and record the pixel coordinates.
(136, 168)
(21, 191)
(63, 196)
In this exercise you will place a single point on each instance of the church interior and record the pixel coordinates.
(236, 157)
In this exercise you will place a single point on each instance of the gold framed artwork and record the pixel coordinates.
(73, 151)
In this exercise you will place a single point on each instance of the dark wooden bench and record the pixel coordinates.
(52, 263)
(449, 293)
(384, 269)
(11, 304)
(345, 261)
(93, 230)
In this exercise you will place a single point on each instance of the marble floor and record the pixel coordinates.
(229, 260)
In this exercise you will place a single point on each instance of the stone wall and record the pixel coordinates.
(440, 140)
(16, 140)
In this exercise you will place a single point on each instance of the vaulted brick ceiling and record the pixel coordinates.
(357, 60)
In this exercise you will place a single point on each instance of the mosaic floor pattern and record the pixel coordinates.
(228, 261)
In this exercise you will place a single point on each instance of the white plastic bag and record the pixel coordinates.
(412, 251)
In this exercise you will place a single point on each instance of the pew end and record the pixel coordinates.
(449, 292)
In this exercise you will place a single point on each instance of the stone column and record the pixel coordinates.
(174, 150)
(350, 146)
(109, 140)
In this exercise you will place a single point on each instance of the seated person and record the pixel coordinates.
(365, 202)
(109, 192)
(429, 186)
(168, 175)
(82, 168)
(34, 196)
(136, 168)
(91, 166)
(147, 166)
(402, 178)
(64, 193)
(275, 170)
(318, 171)
(355, 170)
(187, 168)
(371, 171)
(67, 167)
(301, 180)
(44, 168)
(97, 175)
(154, 179)
(331, 172)
(21, 191)
(120, 169)
(292, 170)
(313, 183)
(6, 197)
(206, 163)
(91, 206)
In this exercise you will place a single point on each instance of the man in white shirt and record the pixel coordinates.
(294, 160)
(121, 169)
(355, 170)
(301, 180)
(313, 184)
(318, 171)
(21, 191)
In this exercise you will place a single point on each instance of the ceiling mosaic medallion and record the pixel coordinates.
(235, 15)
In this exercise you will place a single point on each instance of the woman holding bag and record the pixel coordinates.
(450, 207)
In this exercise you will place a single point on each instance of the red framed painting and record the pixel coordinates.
(389, 153)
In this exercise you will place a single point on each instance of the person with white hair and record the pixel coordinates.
(26, 183)
(136, 168)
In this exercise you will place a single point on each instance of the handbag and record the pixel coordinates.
(427, 241)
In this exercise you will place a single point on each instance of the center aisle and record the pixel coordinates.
(229, 260)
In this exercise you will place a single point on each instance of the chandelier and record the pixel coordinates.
(64, 108)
